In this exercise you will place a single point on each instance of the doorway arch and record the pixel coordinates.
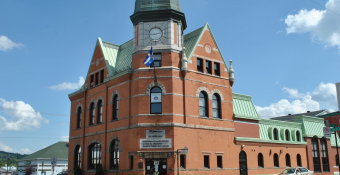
(243, 163)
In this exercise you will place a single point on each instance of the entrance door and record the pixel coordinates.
(156, 167)
(243, 163)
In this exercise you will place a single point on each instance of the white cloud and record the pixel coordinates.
(4, 147)
(324, 93)
(7, 44)
(25, 151)
(324, 25)
(68, 85)
(23, 116)
(65, 138)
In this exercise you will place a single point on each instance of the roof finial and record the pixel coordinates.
(231, 71)
(184, 60)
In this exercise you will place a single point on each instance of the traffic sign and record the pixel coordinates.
(335, 129)
(334, 125)
(54, 161)
(185, 150)
(327, 132)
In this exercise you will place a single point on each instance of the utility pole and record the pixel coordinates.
(7, 163)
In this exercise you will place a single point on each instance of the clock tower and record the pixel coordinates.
(160, 24)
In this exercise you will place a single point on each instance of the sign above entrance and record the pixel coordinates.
(154, 144)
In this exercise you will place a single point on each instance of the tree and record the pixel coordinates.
(29, 170)
(99, 169)
(78, 171)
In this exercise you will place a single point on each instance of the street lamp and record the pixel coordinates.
(184, 151)
(117, 145)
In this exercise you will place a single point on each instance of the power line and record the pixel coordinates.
(325, 7)
(33, 112)
(22, 132)
(32, 138)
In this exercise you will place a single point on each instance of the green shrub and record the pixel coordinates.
(99, 169)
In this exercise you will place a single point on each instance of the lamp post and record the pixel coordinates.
(184, 151)
(117, 145)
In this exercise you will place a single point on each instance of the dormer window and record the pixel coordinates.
(199, 65)
(101, 76)
(97, 78)
(208, 67)
(92, 79)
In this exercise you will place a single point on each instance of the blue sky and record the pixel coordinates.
(286, 55)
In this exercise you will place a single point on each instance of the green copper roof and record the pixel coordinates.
(244, 107)
(153, 5)
(311, 126)
(57, 150)
(333, 140)
(124, 59)
(118, 58)
(192, 40)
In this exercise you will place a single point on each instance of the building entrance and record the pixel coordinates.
(155, 167)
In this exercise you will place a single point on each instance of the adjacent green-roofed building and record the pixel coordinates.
(244, 108)
(41, 160)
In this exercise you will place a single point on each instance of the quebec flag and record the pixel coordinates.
(149, 59)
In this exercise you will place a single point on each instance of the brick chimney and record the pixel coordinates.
(338, 94)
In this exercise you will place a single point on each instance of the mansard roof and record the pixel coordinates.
(244, 108)
(118, 58)
(155, 5)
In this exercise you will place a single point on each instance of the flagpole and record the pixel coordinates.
(154, 67)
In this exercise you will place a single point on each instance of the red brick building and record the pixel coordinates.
(191, 105)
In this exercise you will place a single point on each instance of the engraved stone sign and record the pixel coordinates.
(155, 139)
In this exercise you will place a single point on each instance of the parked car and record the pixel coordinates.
(62, 173)
(301, 171)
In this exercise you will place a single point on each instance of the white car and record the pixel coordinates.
(300, 170)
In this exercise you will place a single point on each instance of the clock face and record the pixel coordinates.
(156, 34)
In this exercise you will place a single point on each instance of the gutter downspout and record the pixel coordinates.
(105, 129)
(83, 150)
(184, 70)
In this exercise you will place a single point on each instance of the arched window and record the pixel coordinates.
(100, 111)
(95, 155)
(79, 117)
(276, 160)
(92, 112)
(114, 156)
(156, 101)
(298, 160)
(243, 163)
(203, 103)
(298, 136)
(77, 157)
(216, 106)
(260, 160)
(324, 155)
(287, 135)
(275, 134)
(288, 160)
(316, 157)
(115, 108)
(336, 160)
